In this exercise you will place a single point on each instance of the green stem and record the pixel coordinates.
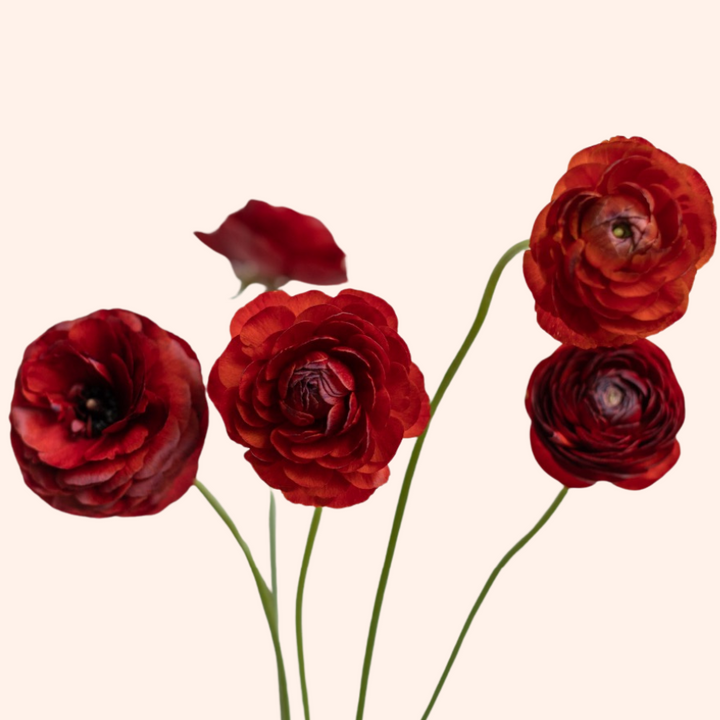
(298, 607)
(405, 490)
(266, 597)
(273, 556)
(519, 545)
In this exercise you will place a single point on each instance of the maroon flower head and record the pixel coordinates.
(605, 414)
(109, 415)
(271, 245)
(321, 390)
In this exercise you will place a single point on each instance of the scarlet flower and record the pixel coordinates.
(271, 245)
(605, 414)
(109, 415)
(321, 390)
(613, 256)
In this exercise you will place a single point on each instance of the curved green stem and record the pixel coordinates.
(519, 545)
(266, 597)
(273, 555)
(412, 463)
(298, 607)
(479, 320)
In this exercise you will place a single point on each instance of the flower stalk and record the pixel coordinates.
(519, 545)
(268, 597)
(315, 523)
(412, 463)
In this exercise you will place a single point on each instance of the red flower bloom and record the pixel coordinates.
(613, 257)
(605, 414)
(322, 390)
(109, 415)
(271, 245)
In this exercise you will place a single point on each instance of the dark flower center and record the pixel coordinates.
(314, 390)
(630, 234)
(95, 407)
(622, 230)
(611, 396)
(619, 226)
(305, 392)
(617, 398)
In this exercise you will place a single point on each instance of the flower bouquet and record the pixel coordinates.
(109, 414)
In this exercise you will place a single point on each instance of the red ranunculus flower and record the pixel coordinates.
(109, 415)
(605, 414)
(322, 390)
(613, 257)
(271, 245)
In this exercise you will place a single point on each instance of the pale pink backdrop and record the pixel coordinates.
(427, 137)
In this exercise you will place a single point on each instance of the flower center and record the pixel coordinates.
(619, 226)
(622, 230)
(95, 409)
(314, 390)
(318, 391)
(612, 396)
(306, 391)
(617, 399)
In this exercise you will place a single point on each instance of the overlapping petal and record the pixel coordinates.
(613, 256)
(109, 415)
(322, 391)
(605, 414)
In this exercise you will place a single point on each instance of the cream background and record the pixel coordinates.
(427, 140)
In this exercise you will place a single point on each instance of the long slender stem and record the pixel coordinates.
(273, 556)
(298, 607)
(412, 463)
(266, 597)
(479, 320)
(505, 560)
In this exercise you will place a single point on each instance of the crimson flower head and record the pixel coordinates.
(109, 415)
(271, 245)
(613, 256)
(321, 390)
(605, 414)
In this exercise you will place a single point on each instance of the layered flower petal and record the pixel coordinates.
(605, 414)
(322, 391)
(613, 257)
(109, 415)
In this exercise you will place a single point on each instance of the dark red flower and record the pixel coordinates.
(605, 414)
(322, 390)
(613, 256)
(109, 415)
(271, 245)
